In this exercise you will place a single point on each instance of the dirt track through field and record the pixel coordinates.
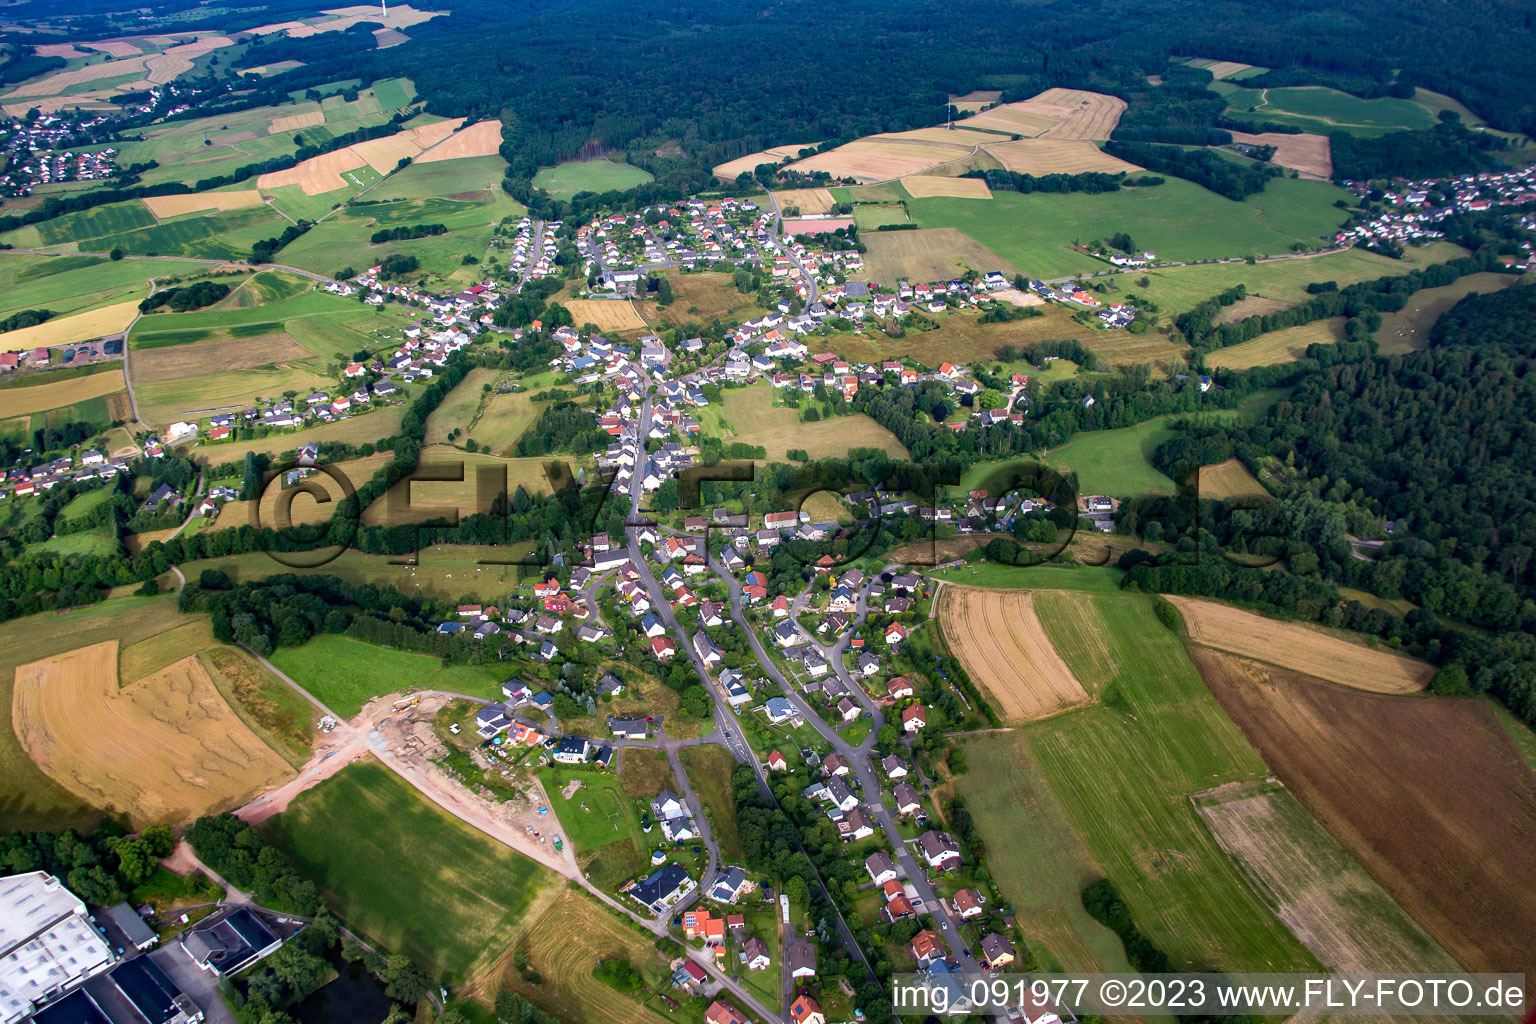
(1431, 795)
(1300, 649)
(998, 638)
(165, 748)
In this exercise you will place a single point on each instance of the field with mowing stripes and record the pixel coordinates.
(1129, 817)
(408, 874)
(1229, 479)
(1283, 346)
(998, 638)
(42, 397)
(1314, 885)
(1301, 648)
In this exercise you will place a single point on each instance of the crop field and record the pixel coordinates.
(563, 944)
(883, 157)
(596, 814)
(1171, 740)
(407, 874)
(1179, 219)
(68, 284)
(709, 769)
(312, 118)
(749, 416)
(934, 254)
(345, 674)
(700, 298)
(448, 180)
(732, 169)
(1449, 836)
(299, 506)
(589, 176)
(226, 235)
(975, 100)
(1283, 346)
(1219, 69)
(1408, 329)
(164, 748)
(1229, 479)
(1054, 113)
(809, 200)
(111, 219)
(609, 315)
(481, 139)
(1036, 854)
(923, 186)
(64, 330)
(174, 206)
(171, 362)
(42, 397)
(998, 638)
(1327, 899)
(1056, 156)
(1321, 110)
(1312, 155)
(1300, 648)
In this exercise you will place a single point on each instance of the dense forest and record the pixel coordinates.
(1437, 442)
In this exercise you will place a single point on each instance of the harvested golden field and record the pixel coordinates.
(165, 748)
(419, 497)
(1432, 796)
(65, 81)
(809, 200)
(607, 314)
(115, 47)
(922, 186)
(63, 330)
(172, 362)
(999, 639)
(1056, 114)
(963, 137)
(975, 100)
(401, 16)
(317, 175)
(1284, 346)
(483, 138)
(42, 397)
(1056, 156)
(1310, 155)
(1219, 69)
(732, 169)
(64, 50)
(563, 944)
(295, 122)
(927, 254)
(1322, 893)
(882, 157)
(300, 504)
(174, 206)
(1300, 648)
(1229, 479)
(383, 155)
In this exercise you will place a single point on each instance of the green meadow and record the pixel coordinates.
(1323, 110)
(346, 674)
(589, 176)
(1178, 219)
(407, 874)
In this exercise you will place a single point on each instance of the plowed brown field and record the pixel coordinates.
(1431, 795)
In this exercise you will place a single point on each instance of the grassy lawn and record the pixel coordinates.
(407, 874)
(597, 814)
(1132, 811)
(589, 176)
(750, 416)
(1178, 219)
(709, 769)
(345, 674)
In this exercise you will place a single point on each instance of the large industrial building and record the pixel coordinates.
(48, 944)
